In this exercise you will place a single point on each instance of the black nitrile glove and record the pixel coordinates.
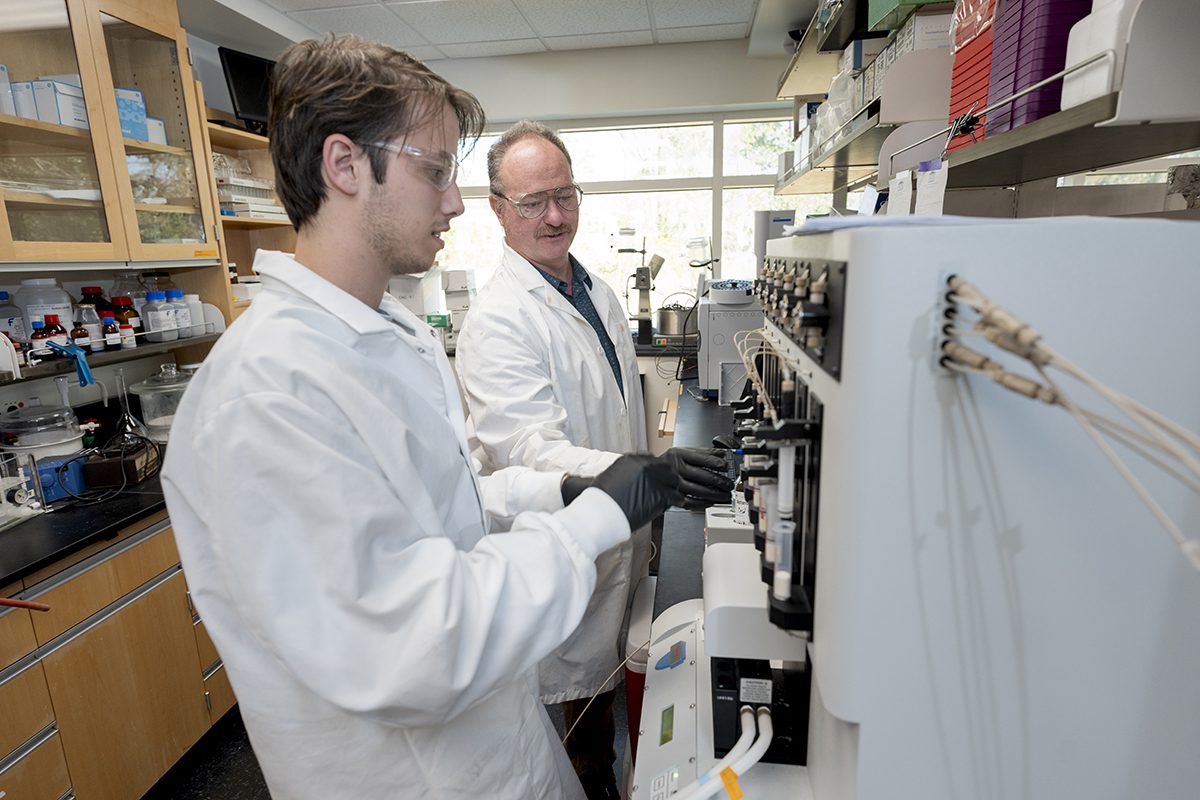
(642, 485)
(702, 476)
(573, 486)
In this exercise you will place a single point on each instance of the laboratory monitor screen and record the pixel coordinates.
(248, 78)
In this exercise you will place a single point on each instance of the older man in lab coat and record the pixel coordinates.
(548, 368)
(332, 526)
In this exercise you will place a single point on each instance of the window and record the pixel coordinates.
(702, 176)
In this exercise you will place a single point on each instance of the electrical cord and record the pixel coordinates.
(119, 447)
(645, 644)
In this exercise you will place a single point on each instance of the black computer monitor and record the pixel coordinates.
(248, 78)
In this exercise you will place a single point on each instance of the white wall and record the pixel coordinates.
(206, 68)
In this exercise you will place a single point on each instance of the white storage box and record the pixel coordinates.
(6, 98)
(23, 102)
(459, 301)
(156, 130)
(60, 103)
(458, 280)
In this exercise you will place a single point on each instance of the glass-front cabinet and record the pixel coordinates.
(150, 101)
(58, 189)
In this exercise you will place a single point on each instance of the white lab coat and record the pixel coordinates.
(541, 394)
(334, 538)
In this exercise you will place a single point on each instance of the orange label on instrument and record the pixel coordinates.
(203, 253)
(729, 778)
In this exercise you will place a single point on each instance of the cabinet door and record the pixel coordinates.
(58, 189)
(139, 664)
(156, 139)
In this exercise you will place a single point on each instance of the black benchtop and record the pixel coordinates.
(696, 422)
(44, 539)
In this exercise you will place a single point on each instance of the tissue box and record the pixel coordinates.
(23, 102)
(156, 130)
(60, 103)
(131, 108)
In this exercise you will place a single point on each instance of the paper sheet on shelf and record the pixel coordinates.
(900, 191)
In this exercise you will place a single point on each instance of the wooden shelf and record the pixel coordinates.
(139, 147)
(34, 199)
(167, 209)
(32, 130)
(250, 223)
(233, 139)
(1066, 143)
(241, 303)
(62, 366)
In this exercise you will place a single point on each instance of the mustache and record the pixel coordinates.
(552, 230)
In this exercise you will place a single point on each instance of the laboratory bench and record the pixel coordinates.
(696, 423)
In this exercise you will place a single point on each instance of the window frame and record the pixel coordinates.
(716, 184)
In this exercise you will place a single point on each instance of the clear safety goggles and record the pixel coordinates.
(532, 205)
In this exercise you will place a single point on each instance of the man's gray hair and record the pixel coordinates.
(520, 130)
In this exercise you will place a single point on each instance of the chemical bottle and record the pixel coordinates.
(159, 318)
(196, 312)
(80, 337)
(55, 332)
(38, 297)
(111, 331)
(89, 318)
(128, 340)
(94, 296)
(38, 351)
(20, 353)
(128, 284)
(12, 320)
(125, 313)
(183, 313)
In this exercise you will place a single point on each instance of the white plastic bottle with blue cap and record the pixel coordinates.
(158, 315)
(183, 314)
(12, 320)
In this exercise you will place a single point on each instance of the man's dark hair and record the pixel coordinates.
(367, 91)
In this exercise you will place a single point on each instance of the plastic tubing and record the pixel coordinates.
(710, 783)
(756, 751)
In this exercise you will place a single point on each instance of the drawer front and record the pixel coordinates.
(219, 693)
(40, 775)
(16, 630)
(25, 701)
(84, 594)
(206, 648)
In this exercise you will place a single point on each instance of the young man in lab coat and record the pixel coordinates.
(332, 527)
(548, 368)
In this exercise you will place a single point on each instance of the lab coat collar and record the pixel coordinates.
(530, 279)
(289, 274)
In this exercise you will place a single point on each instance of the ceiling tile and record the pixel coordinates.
(374, 23)
(578, 17)
(478, 49)
(696, 13)
(307, 5)
(701, 33)
(424, 53)
(444, 21)
(599, 40)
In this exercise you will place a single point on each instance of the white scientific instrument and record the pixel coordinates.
(992, 610)
(726, 308)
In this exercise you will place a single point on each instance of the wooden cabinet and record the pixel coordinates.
(139, 662)
(115, 682)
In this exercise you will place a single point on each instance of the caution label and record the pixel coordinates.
(755, 690)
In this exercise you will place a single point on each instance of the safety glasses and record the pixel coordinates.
(532, 205)
(440, 168)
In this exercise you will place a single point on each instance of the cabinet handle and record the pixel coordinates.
(191, 606)
(208, 701)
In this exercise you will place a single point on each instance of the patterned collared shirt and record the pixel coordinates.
(575, 290)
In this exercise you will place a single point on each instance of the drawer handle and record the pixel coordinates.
(31, 605)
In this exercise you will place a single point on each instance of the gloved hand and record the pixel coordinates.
(702, 478)
(573, 486)
(642, 485)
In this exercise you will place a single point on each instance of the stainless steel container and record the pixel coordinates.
(672, 319)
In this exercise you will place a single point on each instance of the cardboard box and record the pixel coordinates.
(156, 130)
(6, 97)
(786, 160)
(458, 280)
(131, 108)
(438, 320)
(859, 53)
(925, 31)
(23, 102)
(60, 103)
(459, 301)
(457, 318)
(418, 294)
